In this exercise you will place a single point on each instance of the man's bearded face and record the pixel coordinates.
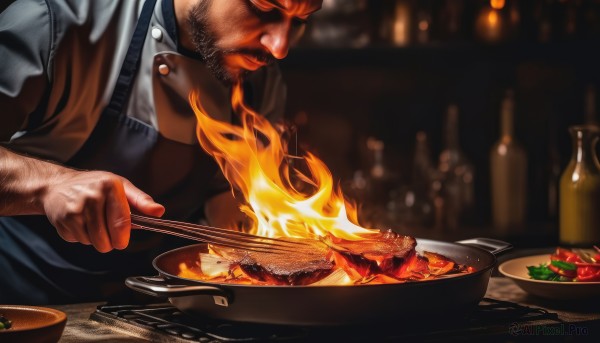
(238, 36)
(217, 59)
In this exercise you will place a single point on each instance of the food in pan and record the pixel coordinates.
(566, 265)
(306, 264)
(383, 258)
(4, 323)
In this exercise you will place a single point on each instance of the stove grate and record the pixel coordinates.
(165, 323)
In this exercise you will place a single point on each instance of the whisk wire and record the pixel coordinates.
(214, 235)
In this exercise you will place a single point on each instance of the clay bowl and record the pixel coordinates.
(32, 324)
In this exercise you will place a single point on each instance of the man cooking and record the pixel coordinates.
(96, 124)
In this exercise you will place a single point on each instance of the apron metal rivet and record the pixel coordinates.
(163, 69)
(157, 34)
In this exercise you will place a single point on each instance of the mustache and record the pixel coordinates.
(257, 54)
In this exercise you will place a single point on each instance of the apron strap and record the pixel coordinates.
(132, 60)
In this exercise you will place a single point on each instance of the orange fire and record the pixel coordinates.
(253, 158)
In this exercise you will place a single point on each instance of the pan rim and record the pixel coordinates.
(486, 269)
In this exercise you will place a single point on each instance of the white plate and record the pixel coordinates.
(516, 269)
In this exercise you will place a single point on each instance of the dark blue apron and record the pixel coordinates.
(39, 267)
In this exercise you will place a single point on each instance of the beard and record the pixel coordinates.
(205, 44)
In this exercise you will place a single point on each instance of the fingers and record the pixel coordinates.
(95, 222)
(141, 201)
(73, 231)
(93, 207)
(67, 236)
(118, 218)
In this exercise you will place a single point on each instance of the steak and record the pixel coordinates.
(308, 263)
(383, 252)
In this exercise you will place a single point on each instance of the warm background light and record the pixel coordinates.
(493, 18)
(497, 4)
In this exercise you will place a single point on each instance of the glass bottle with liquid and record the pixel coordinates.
(508, 169)
(579, 206)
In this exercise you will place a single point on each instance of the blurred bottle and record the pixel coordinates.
(554, 166)
(413, 204)
(455, 199)
(451, 20)
(376, 147)
(372, 187)
(395, 26)
(514, 19)
(423, 177)
(358, 187)
(342, 23)
(365, 185)
(543, 16)
(579, 222)
(423, 171)
(424, 22)
(491, 26)
(508, 169)
(381, 178)
(570, 26)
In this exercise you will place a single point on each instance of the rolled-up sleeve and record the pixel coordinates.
(25, 45)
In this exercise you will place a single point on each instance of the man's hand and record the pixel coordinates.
(93, 207)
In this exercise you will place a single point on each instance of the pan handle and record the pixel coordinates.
(160, 287)
(492, 245)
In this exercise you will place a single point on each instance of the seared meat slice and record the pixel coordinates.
(305, 265)
(384, 252)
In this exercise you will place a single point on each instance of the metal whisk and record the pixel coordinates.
(214, 235)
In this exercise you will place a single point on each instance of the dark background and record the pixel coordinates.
(349, 80)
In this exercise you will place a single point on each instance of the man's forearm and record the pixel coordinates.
(90, 207)
(23, 183)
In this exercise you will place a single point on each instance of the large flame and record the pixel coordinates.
(253, 158)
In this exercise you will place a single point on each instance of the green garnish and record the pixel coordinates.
(542, 272)
(564, 265)
(4, 323)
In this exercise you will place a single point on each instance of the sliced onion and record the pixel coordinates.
(214, 265)
(338, 278)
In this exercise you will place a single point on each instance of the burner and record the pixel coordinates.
(165, 323)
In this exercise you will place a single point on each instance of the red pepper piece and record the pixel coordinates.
(588, 274)
(566, 255)
(563, 272)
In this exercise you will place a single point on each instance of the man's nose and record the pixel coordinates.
(277, 39)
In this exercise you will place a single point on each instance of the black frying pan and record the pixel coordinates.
(326, 305)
